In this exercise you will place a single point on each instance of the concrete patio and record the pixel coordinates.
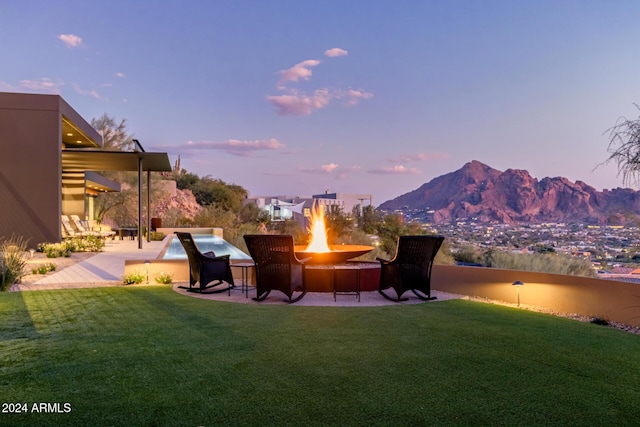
(107, 269)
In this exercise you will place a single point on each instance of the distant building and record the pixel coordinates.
(346, 201)
(281, 208)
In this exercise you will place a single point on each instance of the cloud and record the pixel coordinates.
(6, 87)
(44, 84)
(344, 173)
(353, 97)
(299, 103)
(419, 157)
(120, 75)
(91, 93)
(395, 170)
(301, 70)
(336, 51)
(294, 102)
(242, 148)
(329, 168)
(70, 40)
(322, 169)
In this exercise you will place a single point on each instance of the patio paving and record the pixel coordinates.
(107, 268)
(103, 269)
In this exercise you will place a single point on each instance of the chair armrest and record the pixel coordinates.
(383, 261)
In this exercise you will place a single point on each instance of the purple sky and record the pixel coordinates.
(300, 97)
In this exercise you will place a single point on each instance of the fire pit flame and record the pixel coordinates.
(318, 231)
(319, 250)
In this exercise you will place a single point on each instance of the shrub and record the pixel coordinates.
(544, 263)
(469, 254)
(43, 268)
(164, 278)
(157, 236)
(87, 244)
(55, 250)
(12, 261)
(135, 277)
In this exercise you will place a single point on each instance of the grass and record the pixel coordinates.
(149, 356)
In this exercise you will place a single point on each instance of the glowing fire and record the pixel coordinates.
(318, 231)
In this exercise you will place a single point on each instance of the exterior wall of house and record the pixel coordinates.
(73, 193)
(31, 181)
(30, 167)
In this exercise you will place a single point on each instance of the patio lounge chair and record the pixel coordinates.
(83, 231)
(277, 267)
(205, 268)
(104, 230)
(67, 229)
(410, 269)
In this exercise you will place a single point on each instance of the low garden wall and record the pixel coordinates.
(607, 299)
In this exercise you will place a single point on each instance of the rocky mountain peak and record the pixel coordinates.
(479, 192)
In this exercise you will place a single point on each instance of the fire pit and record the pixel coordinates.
(337, 253)
(321, 274)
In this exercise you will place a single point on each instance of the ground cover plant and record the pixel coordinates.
(149, 356)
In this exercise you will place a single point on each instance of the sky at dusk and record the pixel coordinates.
(377, 97)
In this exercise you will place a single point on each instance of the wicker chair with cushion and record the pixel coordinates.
(277, 267)
(205, 268)
(410, 269)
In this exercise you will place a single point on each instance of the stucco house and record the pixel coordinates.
(49, 159)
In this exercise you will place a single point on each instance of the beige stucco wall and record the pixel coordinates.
(30, 166)
(608, 299)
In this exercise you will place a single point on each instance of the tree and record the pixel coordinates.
(338, 224)
(368, 219)
(120, 206)
(624, 149)
(114, 136)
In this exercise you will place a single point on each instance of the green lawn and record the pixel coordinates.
(149, 356)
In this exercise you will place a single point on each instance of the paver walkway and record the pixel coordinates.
(102, 269)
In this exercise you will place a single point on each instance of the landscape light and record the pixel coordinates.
(518, 284)
(146, 263)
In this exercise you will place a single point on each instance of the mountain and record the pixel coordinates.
(479, 192)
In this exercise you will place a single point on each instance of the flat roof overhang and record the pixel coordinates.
(75, 160)
(99, 183)
(83, 160)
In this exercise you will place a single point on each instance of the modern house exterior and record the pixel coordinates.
(49, 159)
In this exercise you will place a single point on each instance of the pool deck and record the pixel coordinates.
(107, 269)
(103, 269)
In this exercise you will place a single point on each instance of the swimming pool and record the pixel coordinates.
(206, 243)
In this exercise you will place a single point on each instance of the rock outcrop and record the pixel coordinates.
(479, 192)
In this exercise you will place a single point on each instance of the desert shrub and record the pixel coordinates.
(164, 278)
(469, 254)
(12, 261)
(87, 244)
(157, 236)
(43, 268)
(544, 263)
(135, 277)
(55, 250)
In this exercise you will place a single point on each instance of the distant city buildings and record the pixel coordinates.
(281, 208)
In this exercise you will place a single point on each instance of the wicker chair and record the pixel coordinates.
(205, 268)
(410, 269)
(277, 267)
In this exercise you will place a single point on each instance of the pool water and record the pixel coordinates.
(206, 243)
